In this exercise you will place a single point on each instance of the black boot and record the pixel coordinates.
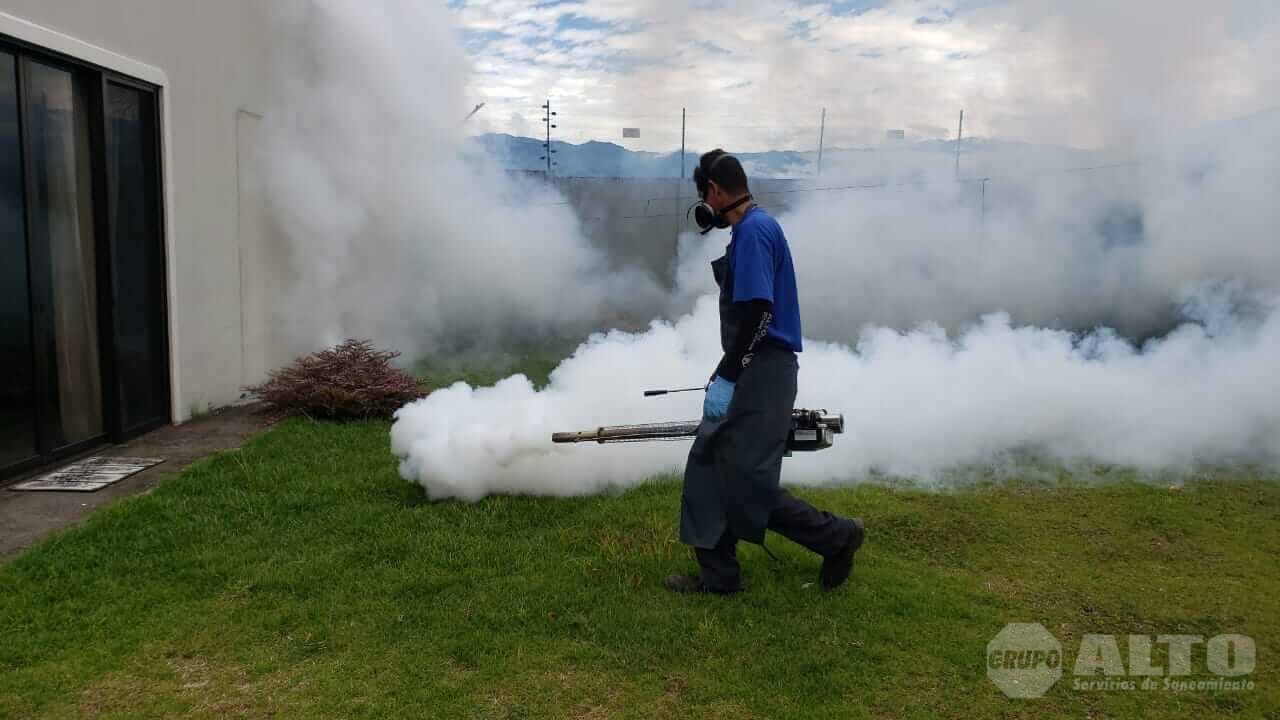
(837, 568)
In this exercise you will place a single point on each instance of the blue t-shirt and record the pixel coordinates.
(760, 261)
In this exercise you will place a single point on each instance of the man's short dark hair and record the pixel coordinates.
(726, 172)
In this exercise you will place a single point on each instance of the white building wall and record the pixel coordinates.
(214, 56)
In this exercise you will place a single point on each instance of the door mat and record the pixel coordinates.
(89, 475)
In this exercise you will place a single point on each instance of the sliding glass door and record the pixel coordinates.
(83, 320)
(17, 392)
(137, 255)
(64, 259)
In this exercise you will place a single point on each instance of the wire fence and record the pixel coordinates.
(637, 222)
(690, 198)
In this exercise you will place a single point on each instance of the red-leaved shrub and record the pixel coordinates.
(350, 381)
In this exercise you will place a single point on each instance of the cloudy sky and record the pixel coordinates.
(756, 74)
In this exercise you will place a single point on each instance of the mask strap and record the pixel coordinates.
(736, 204)
(717, 162)
(706, 177)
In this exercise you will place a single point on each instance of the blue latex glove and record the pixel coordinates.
(716, 404)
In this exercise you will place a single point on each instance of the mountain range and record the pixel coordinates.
(604, 159)
(979, 156)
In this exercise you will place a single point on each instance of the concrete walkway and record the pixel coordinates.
(26, 518)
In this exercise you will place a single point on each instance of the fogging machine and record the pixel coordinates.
(810, 430)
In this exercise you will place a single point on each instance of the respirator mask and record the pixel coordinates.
(707, 217)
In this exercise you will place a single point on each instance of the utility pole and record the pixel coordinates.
(822, 134)
(683, 117)
(547, 145)
(675, 215)
(959, 138)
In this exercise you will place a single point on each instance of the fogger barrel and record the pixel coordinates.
(810, 430)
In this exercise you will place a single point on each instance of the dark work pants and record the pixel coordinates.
(794, 519)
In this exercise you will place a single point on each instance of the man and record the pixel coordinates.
(732, 485)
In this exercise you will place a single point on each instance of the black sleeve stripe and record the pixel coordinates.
(756, 317)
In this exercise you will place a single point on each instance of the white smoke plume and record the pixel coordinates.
(398, 233)
(916, 403)
(1183, 95)
(395, 231)
(1110, 246)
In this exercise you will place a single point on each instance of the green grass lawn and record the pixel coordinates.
(301, 577)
